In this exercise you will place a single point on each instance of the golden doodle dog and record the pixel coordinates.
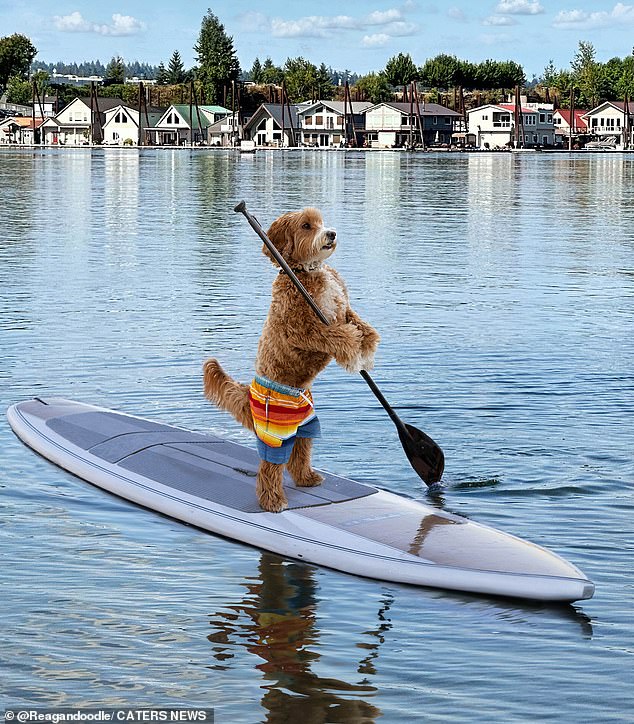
(294, 347)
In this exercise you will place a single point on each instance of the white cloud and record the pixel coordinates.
(456, 14)
(391, 23)
(498, 20)
(377, 40)
(619, 15)
(519, 7)
(76, 23)
(381, 18)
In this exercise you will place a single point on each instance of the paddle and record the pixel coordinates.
(423, 453)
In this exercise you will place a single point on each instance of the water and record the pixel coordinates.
(503, 287)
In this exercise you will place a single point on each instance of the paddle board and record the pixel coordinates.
(209, 482)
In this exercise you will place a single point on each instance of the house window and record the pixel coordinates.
(308, 120)
(542, 118)
(121, 118)
(405, 120)
(447, 121)
(501, 120)
(340, 120)
(550, 118)
(485, 118)
(435, 120)
(319, 120)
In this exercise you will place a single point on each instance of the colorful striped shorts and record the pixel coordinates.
(280, 414)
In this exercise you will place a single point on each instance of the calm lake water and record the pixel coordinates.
(503, 287)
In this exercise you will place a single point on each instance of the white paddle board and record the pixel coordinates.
(209, 482)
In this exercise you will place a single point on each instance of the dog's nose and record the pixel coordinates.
(331, 234)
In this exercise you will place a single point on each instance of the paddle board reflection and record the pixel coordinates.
(277, 621)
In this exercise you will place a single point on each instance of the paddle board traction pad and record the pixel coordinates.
(209, 482)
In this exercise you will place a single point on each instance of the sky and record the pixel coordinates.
(357, 35)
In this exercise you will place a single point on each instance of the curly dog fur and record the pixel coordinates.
(295, 345)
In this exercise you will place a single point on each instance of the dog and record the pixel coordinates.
(294, 347)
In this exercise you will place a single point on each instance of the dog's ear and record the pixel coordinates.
(282, 234)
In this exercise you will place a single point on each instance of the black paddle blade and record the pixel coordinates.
(427, 459)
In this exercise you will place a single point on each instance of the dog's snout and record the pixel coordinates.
(331, 234)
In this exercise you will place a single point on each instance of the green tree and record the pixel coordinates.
(115, 71)
(255, 74)
(19, 91)
(218, 63)
(325, 89)
(300, 77)
(374, 87)
(588, 73)
(441, 72)
(271, 74)
(625, 84)
(16, 54)
(176, 70)
(401, 70)
(161, 75)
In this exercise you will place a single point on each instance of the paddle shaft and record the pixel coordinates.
(255, 225)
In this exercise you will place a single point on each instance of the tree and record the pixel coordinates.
(441, 71)
(218, 63)
(587, 72)
(625, 84)
(374, 87)
(271, 74)
(162, 77)
(16, 54)
(255, 73)
(325, 89)
(115, 71)
(176, 70)
(400, 70)
(300, 77)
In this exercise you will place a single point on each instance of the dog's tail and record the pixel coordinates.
(228, 394)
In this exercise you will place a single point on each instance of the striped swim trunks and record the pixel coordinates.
(280, 414)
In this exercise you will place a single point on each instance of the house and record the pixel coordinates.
(121, 127)
(225, 132)
(20, 130)
(392, 125)
(612, 119)
(494, 125)
(322, 123)
(564, 129)
(273, 125)
(183, 124)
(73, 125)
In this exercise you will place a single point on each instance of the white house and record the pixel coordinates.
(181, 124)
(73, 124)
(612, 119)
(273, 125)
(225, 132)
(121, 127)
(391, 125)
(323, 123)
(494, 125)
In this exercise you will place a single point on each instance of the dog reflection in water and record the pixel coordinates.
(277, 622)
(294, 347)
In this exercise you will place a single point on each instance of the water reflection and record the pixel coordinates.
(277, 621)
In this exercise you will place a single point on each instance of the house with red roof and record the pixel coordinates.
(564, 128)
(22, 130)
(493, 125)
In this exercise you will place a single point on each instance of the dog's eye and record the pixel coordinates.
(306, 226)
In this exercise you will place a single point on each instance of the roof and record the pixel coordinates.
(183, 109)
(425, 109)
(275, 111)
(619, 105)
(103, 104)
(24, 122)
(579, 119)
(338, 106)
(511, 107)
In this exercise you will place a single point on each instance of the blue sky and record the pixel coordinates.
(358, 35)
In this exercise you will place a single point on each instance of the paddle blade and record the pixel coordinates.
(427, 459)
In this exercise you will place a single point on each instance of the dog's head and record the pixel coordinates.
(301, 238)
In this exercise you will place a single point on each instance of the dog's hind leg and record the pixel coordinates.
(299, 465)
(268, 487)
